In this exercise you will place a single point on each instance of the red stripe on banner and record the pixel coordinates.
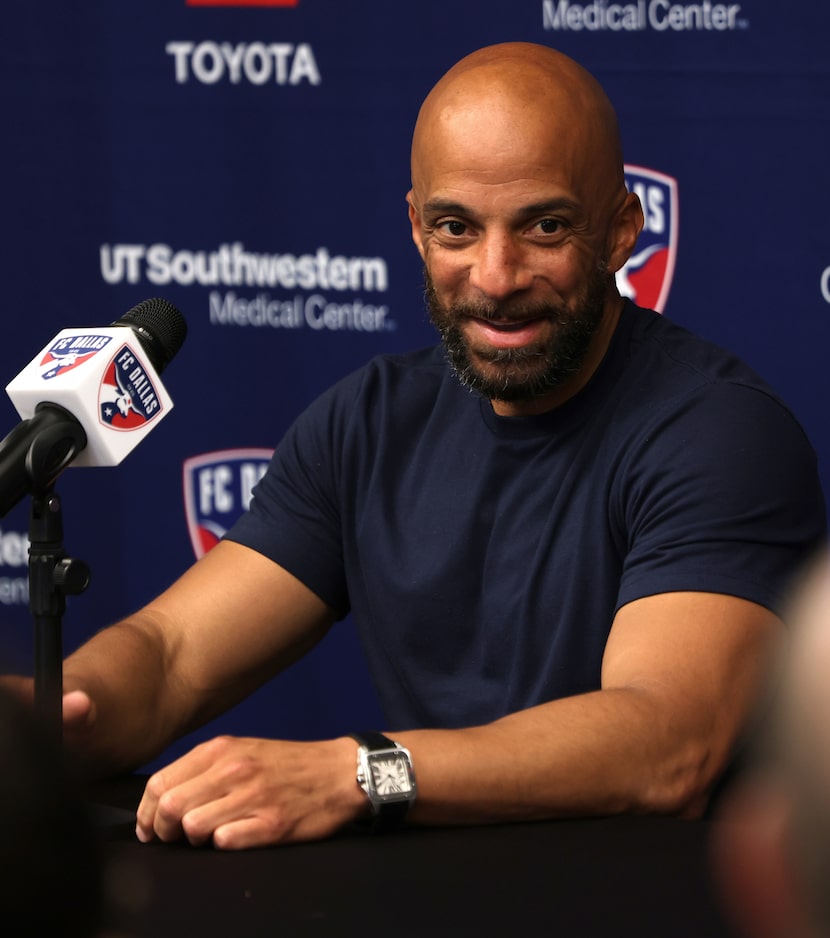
(242, 3)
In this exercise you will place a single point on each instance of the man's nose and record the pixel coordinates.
(500, 267)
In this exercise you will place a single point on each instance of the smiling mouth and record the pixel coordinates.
(506, 333)
(508, 323)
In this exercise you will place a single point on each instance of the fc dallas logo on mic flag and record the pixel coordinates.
(66, 354)
(646, 278)
(127, 397)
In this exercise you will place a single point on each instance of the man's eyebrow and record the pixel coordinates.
(445, 207)
(549, 206)
(449, 207)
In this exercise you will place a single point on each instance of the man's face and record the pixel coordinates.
(514, 225)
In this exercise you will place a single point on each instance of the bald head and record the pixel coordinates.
(521, 100)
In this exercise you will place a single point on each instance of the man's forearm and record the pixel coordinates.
(601, 753)
(124, 672)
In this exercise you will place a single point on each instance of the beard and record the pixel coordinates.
(528, 372)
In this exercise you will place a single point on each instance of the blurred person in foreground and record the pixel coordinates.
(772, 843)
(564, 533)
(51, 869)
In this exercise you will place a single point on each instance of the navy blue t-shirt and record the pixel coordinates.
(483, 558)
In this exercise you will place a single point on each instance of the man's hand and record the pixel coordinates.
(243, 793)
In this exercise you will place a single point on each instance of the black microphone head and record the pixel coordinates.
(160, 327)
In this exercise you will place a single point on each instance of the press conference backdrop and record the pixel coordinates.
(248, 162)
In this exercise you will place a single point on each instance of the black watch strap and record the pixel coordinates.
(373, 740)
(390, 817)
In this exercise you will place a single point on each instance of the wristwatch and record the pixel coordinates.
(385, 773)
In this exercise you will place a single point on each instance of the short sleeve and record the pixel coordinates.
(721, 494)
(294, 517)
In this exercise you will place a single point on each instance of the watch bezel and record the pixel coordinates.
(366, 780)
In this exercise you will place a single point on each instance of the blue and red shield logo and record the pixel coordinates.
(646, 277)
(217, 490)
(127, 397)
(70, 352)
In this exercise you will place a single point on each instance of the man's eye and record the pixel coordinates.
(550, 225)
(454, 228)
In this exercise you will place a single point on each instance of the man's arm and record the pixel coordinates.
(228, 624)
(680, 676)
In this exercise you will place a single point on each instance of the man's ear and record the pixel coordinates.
(415, 222)
(625, 229)
(752, 864)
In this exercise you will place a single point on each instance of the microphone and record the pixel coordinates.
(89, 398)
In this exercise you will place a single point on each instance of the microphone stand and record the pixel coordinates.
(32, 456)
(52, 576)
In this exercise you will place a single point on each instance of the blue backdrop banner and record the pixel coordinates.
(248, 162)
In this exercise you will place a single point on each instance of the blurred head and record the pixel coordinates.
(50, 869)
(773, 844)
(520, 213)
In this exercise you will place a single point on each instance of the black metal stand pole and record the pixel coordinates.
(32, 456)
(52, 575)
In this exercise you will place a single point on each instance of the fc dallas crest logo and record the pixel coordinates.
(646, 277)
(68, 353)
(127, 397)
(217, 490)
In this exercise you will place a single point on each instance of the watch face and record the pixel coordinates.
(390, 774)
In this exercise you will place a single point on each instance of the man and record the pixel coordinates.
(566, 582)
(772, 843)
